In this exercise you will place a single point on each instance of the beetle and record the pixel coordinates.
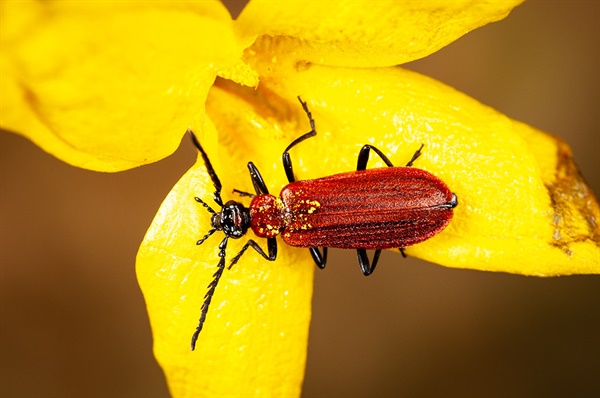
(367, 209)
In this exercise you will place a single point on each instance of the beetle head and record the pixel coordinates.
(233, 219)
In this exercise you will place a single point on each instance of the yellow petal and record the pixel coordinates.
(366, 33)
(255, 337)
(523, 208)
(112, 85)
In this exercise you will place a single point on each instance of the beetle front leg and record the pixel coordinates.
(259, 184)
(363, 261)
(271, 247)
(320, 259)
(244, 193)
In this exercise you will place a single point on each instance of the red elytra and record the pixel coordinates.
(367, 209)
(382, 208)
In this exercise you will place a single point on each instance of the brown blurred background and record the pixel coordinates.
(73, 321)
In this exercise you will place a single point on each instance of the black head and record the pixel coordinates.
(233, 219)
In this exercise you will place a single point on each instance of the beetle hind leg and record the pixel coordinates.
(365, 265)
(319, 258)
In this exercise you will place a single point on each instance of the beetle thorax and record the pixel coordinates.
(267, 215)
(233, 219)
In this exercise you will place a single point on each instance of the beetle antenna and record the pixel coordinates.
(208, 234)
(211, 211)
(211, 291)
(209, 167)
(206, 206)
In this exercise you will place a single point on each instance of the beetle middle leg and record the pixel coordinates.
(367, 267)
(271, 248)
(363, 159)
(319, 258)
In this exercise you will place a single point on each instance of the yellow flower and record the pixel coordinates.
(110, 86)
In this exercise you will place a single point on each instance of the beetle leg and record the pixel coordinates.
(285, 157)
(363, 157)
(363, 261)
(259, 184)
(271, 246)
(320, 259)
(402, 251)
(244, 193)
(415, 156)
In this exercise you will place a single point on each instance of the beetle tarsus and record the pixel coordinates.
(308, 114)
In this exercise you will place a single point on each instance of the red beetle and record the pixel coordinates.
(375, 209)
